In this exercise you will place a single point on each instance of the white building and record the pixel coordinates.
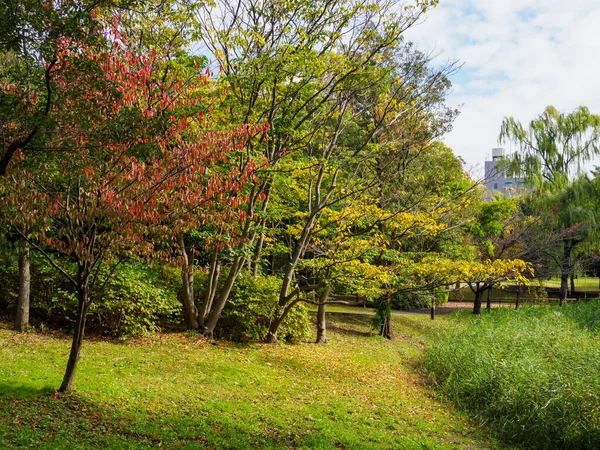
(495, 176)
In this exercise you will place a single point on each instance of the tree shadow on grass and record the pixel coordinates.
(349, 324)
(43, 418)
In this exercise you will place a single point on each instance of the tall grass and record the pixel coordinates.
(532, 374)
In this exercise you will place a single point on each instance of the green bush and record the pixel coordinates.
(135, 301)
(252, 305)
(418, 299)
(48, 289)
(533, 374)
(9, 282)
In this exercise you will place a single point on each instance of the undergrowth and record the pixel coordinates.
(532, 374)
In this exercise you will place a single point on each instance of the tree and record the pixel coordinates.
(434, 270)
(302, 66)
(551, 153)
(358, 247)
(136, 138)
(568, 229)
(370, 134)
(30, 40)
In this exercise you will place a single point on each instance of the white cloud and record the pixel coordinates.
(519, 57)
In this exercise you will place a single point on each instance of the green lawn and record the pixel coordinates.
(582, 284)
(343, 309)
(181, 391)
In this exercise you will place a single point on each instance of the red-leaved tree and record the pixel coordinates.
(133, 159)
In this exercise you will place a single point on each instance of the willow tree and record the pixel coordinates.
(551, 152)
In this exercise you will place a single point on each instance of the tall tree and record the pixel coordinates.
(551, 152)
(130, 137)
(298, 65)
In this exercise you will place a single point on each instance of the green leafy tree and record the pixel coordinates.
(551, 152)
(304, 67)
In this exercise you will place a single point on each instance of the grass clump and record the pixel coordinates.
(533, 374)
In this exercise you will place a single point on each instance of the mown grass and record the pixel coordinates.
(582, 284)
(181, 391)
(532, 374)
(343, 309)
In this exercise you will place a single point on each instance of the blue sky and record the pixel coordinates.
(518, 57)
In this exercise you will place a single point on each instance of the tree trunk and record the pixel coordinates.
(565, 271)
(189, 306)
(433, 304)
(564, 287)
(386, 330)
(478, 301)
(572, 277)
(82, 309)
(299, 249)
(321, 316)
(255, 264)
(211, 287)
(187, 277)
(22, 316)
(518, 295)
(489, 299)
(274, 325)
(272, 332)
(221, 300)
(284, 300)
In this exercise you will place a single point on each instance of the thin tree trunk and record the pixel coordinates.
(221, 300)
(432, 313)
(572, 277)
(284, 300)
(255, 265)
(478, 301)
(518, 295)
(211, 287)
(299, 249)
(564, 287)
(386, 330)
(274, 325)
(22, 316)
(187, 277)
(272, 332)
(78, 333)
(489, 299)
(321, 316)
(564, 275)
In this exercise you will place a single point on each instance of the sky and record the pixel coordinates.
(518, 57)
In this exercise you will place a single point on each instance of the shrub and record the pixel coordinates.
(418, 299)
(252, 304)
(135, 301)
(533, 374)
(9, 274)
(47, 291)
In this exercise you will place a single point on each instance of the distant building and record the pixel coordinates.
(495, 177)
